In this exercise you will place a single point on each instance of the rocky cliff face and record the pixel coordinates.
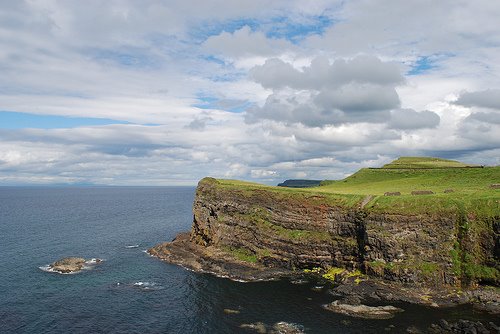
(298, 230)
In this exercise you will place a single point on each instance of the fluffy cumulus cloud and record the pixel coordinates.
(357, 90)
(489, 98)
(159, 92)
(245, 42)
(410, 119)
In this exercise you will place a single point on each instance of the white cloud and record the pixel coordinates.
(329, 84)
(244, 42)
(406, 119)
(487, 99)
(361, 89)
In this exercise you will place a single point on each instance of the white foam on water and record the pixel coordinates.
(94, 261)
(147, 285)
(47, 268)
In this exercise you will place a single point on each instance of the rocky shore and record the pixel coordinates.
(348, 290)
(253, 234)
(212, 260)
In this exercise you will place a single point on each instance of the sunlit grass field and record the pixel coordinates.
(470, 187)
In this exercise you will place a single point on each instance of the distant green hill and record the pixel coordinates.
(300, 183)
(426, 162)
(422, 177)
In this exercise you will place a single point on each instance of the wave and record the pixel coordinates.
(47, 268)
(147, 286)
(93, 261)
(147, 252)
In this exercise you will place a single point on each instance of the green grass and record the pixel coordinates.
(426, 162)
(378, 181)
(312, 195)
(471, 188)
(241, 254)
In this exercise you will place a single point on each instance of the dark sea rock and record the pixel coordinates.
(363, 311)
(463, 326)
(278, 328)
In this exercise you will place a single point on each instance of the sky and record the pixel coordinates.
(167, 92)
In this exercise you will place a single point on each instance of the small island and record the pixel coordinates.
(70, 265)
(427, 245)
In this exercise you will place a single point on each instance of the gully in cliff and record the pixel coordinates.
(438, 248)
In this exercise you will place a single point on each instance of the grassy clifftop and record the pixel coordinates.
(468, 188)
(426, 162)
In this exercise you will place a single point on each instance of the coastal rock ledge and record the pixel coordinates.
(209, 259)
(251, 232)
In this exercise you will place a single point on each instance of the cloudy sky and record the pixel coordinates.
(167, 92)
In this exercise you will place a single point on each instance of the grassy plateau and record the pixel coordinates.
(468, 187)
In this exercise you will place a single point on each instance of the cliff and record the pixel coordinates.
(251, 231)
(303, 230)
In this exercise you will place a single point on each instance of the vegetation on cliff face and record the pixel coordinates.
(442, 238)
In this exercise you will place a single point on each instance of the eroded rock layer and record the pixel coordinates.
(269, 227)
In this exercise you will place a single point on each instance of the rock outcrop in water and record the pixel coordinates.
(258, 233)
(70, 265)
(363, 311)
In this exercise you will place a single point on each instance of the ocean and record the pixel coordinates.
(132, 292)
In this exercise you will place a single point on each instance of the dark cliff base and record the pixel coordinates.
(201, 259)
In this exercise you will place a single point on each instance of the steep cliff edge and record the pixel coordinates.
(250, 231)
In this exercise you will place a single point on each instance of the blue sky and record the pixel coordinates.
(18, 120)
(167, 92)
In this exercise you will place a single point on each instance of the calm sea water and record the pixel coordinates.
(131, 292)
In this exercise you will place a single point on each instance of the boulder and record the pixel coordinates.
(363, 311)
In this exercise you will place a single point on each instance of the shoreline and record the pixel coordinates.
(211, 260)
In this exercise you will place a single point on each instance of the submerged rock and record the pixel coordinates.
(278, 328)
(287, 328)
(363, 311)
(70, 265)
(258, 327)
(463, 326)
